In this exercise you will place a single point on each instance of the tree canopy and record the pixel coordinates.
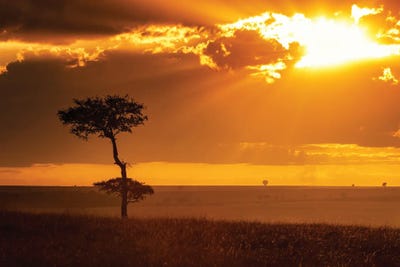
(136, 190)
(105, 117)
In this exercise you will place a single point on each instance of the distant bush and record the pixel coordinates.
(136, 190)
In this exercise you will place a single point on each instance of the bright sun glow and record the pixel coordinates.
(326, 42)
(330, 42)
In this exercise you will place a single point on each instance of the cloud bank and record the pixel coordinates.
(263, 45)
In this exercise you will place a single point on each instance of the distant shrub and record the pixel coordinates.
(136, 190)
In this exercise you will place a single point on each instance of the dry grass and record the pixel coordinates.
(71, 240)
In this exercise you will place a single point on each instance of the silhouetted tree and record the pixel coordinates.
(136, 190)
(265, 182)
(384, 184)
(106, 117)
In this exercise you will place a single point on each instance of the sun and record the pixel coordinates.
(326, 41)
(332, 42)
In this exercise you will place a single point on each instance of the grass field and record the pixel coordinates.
(201, 226)
(81, 240)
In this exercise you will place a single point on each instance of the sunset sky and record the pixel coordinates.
(236, 92)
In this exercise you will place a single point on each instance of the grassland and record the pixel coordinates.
(80, 240)
(375, 206)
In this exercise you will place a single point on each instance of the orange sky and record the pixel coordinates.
(164, 173)
(302, 93)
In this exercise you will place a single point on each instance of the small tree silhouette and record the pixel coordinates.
(106, 117)
(265, 182)
(136, 190)
(384, 184)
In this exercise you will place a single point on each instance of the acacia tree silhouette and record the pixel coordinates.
(107, 117)
(136, 190)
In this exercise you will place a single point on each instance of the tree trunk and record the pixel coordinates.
(122, 165)
(124, 193)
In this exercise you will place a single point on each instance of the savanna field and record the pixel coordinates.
(179, 226)
(66, 240)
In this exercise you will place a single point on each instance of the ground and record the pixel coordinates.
(368, 206)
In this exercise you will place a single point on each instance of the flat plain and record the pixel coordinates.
(366, 206)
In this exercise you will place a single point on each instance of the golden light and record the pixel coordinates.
(330, 42)
(327, 42)
(357, 12)
(270, 72)
(388, 76)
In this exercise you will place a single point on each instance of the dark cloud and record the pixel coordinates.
(53, 21)
(26, 18)
(243, 49)
(63, 20)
